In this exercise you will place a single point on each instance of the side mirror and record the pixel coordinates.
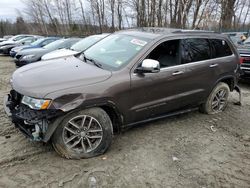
(148, 66)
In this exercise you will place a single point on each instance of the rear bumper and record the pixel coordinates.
(32, 123)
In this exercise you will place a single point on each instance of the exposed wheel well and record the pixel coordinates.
(229, 82)
(114, 116)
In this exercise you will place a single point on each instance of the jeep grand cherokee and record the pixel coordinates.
(129, 77)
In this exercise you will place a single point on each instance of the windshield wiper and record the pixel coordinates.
(92, 61)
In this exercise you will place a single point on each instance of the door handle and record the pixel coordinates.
(177, 73)
(213, 65)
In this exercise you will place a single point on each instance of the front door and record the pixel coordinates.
(158, 93)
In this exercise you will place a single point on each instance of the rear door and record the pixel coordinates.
(201, 69)
(223, 56)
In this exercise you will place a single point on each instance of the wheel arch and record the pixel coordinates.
(229, 80)
(108, 106)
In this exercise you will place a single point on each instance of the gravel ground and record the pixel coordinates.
(190, 150)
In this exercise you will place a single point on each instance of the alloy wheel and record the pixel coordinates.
(219, 101)
(82, 133)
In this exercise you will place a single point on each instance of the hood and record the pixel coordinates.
(39, 79)
(58, 53)
(33, 51)
(8, 46)
(19, 48)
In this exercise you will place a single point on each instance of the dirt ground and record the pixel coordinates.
(190, 150)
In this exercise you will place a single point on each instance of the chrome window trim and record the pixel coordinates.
(197, 62)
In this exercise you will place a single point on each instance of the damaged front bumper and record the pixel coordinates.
(32, 123)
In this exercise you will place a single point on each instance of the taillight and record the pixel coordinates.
(241, 60)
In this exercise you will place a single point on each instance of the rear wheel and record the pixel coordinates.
(83, 134)
(217, 100)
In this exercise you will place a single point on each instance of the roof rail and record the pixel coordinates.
(193, 31)
(169, 30)
(155, 29)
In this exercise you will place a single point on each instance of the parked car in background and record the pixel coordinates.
(2, 39)
(14, 39)
(236, 37)
(76, 48)
(27, 56)
(37, 44)
(245, 60)
(7, 36)
(129, 77)
(25, 41)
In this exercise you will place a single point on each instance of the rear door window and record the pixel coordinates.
(220, 48)
(195, 49)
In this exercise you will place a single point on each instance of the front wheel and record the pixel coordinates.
(83, 134)
(217, 100)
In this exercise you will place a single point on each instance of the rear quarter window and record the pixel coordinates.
(220, 48)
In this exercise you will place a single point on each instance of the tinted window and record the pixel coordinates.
(195, 49)
(220, 48)
(167, 53)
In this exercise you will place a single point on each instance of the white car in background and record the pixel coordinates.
(2, 39)
(14, 39)
(78, 47)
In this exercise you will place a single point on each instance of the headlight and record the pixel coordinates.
(27, 57)
(37, 104)
(17, 50)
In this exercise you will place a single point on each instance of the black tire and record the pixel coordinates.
(209, 106)
(98, 118)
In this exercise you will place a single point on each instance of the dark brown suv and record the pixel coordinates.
(129, 77)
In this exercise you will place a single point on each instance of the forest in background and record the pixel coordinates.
(85, 17)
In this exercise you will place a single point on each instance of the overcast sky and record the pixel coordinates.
(8, 8)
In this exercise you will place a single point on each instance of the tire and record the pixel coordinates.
(92, 127)
(212, 105)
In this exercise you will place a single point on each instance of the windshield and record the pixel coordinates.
(54, 45)
(86, 42)
(16, 38)
(115, 51)
(37, 42)
(26, 39)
